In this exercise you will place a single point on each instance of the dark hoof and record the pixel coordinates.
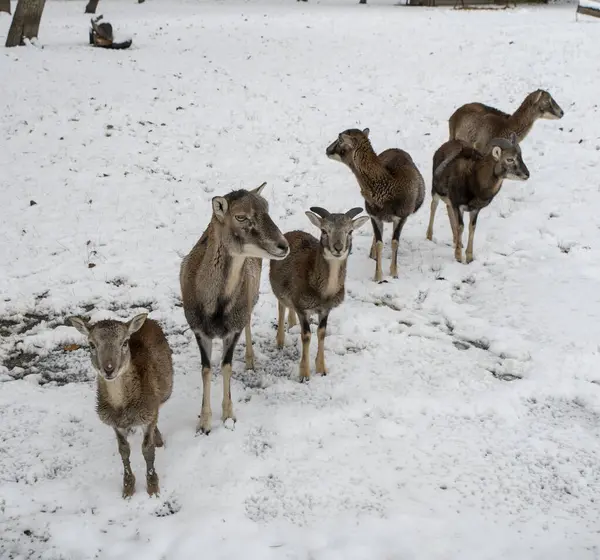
(383, 282)
(128, 487)
(152, 485)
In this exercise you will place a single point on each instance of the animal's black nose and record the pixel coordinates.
(109, 368)
(338, 247)
(282, 247)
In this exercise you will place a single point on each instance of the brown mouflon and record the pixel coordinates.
(477, 124)
(466, 180)
(311, 279)
(135, 377)
(220, 278)
(390, 183)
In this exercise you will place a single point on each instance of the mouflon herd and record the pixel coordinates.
(220, 277)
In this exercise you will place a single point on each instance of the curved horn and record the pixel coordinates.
(501, 143)
(320, 211)
(354, 212)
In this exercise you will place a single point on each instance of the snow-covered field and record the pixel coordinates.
(461, 416)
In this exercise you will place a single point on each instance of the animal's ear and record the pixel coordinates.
(258, 190)
(345, 138)
(314, 219)
(513, 139)
(358, 222)
(79, 324)
(136, 323)
(366, 132)
(496, 152)
(538, 96)
(220, 205)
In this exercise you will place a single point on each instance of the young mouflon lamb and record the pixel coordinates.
(135, 377)
(390, 183)
(311, 278)
(466, 180)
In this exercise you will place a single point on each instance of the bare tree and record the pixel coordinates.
(5, 6)
(91, 7)
(26, 22)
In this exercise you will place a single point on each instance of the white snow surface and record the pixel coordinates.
(460, 419)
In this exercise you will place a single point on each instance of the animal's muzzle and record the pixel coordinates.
(331, 149)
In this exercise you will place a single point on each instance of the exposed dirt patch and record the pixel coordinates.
(65, 363)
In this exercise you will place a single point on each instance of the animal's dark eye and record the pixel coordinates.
(324, 232)
(92, 346)
(125, 344)
(241, 218)
(510, 160)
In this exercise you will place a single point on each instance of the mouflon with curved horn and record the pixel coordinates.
(466, 180)
(312, 278)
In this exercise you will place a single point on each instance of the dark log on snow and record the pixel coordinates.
(26, 22)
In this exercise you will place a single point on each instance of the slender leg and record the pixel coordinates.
(280, 324)
(459, 233)
(304, 363)
(472, 225)
(205, 345)
(125, 451)
(249, 349)
(148, 452)
(378, 232)
(292, 318)
(229, 343)
(158, 440)
(372, 252)
(435, 200)
(398, 225)
(452, 219)
(320, 361)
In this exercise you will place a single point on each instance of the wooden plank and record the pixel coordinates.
(588, 11)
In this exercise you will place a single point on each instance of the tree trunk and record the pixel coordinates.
(5, 6)
(25, 22)
(91, 7)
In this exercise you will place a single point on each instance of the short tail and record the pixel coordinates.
(439, 170)
(420, 195)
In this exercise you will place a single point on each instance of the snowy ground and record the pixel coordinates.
(461, 419)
